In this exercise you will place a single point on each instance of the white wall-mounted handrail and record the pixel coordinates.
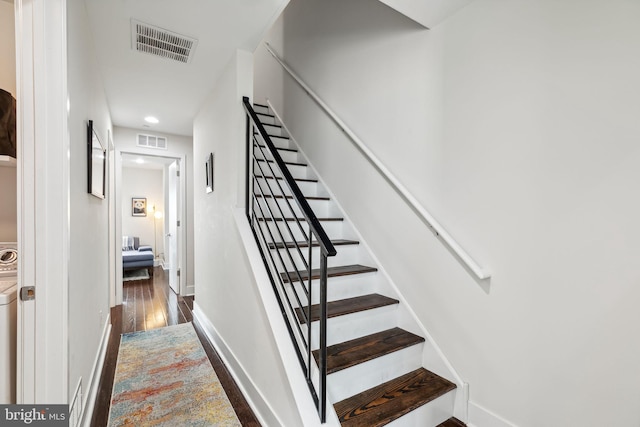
(439, 231)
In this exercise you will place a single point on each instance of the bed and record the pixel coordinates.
(136, 256)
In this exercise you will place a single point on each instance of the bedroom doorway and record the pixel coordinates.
(154, 181)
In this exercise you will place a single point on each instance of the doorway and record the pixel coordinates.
(155, 181)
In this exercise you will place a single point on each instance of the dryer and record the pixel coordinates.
(8, 321)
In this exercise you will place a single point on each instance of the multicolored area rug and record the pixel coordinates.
(164, 378)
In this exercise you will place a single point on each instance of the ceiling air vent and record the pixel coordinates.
(160, 42)
(152, 141)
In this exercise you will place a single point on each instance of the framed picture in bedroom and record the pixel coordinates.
(209, 173)
(138, 206)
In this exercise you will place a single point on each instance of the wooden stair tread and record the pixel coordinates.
(295, 179)
(347, 306)
(343, 270)
(273, 126)
(350, 353)
(265, 114)
(452, 422)
(298, 219)
(255, 104)
(293, 150)
(273, 136)
(286, 163)
(305, 244)
(269, 196)
(389, 401)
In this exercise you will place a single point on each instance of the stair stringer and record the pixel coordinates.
(433, 358)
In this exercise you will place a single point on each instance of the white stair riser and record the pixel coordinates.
(273, 130)
(354, 325)
(287, 156)
(280, 230)
(430, 414)
(356, 379)
(278, 142)
(307, 188)
(322, 208)
(348, 288)
(266, 119)
(347, 255)
(271, 169)
(261, 109)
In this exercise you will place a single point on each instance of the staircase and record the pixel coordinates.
(374, 349)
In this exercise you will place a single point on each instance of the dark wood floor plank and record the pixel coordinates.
(128, 311)
(360, 350)
(147, 304)
(149, 314)
(237, 399)
(389, 401)
(140, 315)
(171, 303)
(347, 306)
(159, 304)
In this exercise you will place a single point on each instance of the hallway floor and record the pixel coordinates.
(150, 304)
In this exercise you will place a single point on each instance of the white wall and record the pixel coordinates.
(88, 287)
(8, 204)
(225, 289)
(515, 123)
(125, 139)
(147, 183)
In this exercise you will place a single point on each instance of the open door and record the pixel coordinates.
(173, 218)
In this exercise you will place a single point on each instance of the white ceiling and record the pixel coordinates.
(139, 84)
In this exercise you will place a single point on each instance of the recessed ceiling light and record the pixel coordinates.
(151, 119)
(139, 161)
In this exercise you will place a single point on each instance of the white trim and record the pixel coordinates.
(257, 401)
(304, 402)
(94, 382)
(43, 200)
(430, 221)
(482, 417)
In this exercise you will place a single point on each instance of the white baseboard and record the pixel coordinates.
(255, 398)
(482, 417)
(96, 373)
(189, 290)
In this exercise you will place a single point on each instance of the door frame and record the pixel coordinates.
(116, 285)
(43, 168)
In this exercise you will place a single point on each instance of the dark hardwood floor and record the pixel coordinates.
(150, 304)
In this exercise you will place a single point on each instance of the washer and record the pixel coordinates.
(8, 321)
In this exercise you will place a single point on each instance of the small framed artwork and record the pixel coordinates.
(138, 206)
(209, 171)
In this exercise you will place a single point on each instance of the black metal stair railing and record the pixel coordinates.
(284, 225)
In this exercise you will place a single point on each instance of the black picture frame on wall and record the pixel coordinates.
(209, 173)
(96, 163)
